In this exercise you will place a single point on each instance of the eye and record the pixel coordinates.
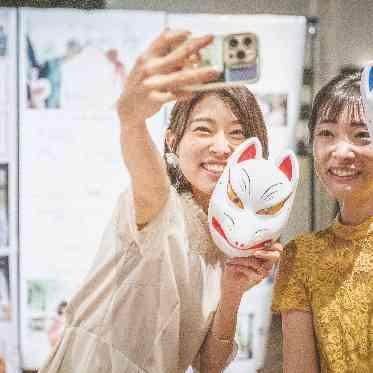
(237, 134)
(324, 133)
(362, 135)
(233, 196)
(203, 129)
(273, 209)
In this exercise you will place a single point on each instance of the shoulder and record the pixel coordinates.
(164, 223)
(305, 249)
(311, 243)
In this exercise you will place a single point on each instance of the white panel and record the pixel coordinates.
(281, 49)
(71, 171)
(9, 190)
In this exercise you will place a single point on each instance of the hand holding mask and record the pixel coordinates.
(252, 200)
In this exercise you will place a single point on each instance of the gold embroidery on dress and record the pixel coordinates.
(331, 272)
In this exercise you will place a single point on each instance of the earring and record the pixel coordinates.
(172, 159)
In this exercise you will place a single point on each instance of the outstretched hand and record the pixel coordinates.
(241, 274)
(160, 74)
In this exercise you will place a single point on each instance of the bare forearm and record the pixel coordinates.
(299, 347)
(218, 345)
(300, 359)
(150, 182)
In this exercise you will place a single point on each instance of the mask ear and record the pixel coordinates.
(288, 164)
(249, 149)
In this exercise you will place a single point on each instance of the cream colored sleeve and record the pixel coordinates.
(121, 232)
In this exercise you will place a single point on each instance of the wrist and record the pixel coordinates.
(128, 117)
(130, 124)
(232, 295)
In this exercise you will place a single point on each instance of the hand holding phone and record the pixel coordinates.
(235, 56)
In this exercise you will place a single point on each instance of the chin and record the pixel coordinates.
(344, 192)
(204, 189)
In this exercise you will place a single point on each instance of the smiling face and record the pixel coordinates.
(236, 104)
(211, 135)
(344, 157)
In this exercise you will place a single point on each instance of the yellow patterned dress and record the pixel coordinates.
(330, 273)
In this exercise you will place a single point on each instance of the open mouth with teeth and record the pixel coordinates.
(217, 226)
(213, 168)
(343, 172)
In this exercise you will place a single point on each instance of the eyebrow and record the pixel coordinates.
(202, 119)
(209, 120)
(357, 124)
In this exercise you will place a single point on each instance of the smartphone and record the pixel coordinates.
(236, 56)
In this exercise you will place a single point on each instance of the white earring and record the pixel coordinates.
(172, 159)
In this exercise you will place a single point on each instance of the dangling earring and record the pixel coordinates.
(173, 162)
(172, 159)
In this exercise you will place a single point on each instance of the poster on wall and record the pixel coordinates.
(71, 170)
(44, 313)
(5, 300)
(274, 109)
(4, 206)
(281, 43)
(86, 66)
(9, 349)
(4, 81)
(8, 77)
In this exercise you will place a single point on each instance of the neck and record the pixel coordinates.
(356, 211)
(202, 199)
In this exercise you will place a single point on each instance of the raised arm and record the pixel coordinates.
(299, 347)
(157, 77)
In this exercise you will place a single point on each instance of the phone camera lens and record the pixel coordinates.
(241, 54)
(233, 43)
(247, 41)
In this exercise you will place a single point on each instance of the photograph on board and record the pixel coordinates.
(89, 57)
(46, 305)
(274, 108)
(5, 304)
(4, 206)
(244, 335)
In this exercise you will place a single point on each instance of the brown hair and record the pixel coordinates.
(339, 95)
(243, 105)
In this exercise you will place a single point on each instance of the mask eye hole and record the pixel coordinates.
(233, 196)
(273, 209)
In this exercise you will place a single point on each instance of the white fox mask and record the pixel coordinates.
(252, 200)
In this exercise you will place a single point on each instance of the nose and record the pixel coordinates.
(343, 150)
(220, 145)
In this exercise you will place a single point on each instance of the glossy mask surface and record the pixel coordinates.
(252, 200)
(366, 89)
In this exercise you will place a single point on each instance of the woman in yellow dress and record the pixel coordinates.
(325, 283)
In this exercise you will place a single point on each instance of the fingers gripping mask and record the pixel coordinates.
(252, 200)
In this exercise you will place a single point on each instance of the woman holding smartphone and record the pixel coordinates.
(160, 296)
